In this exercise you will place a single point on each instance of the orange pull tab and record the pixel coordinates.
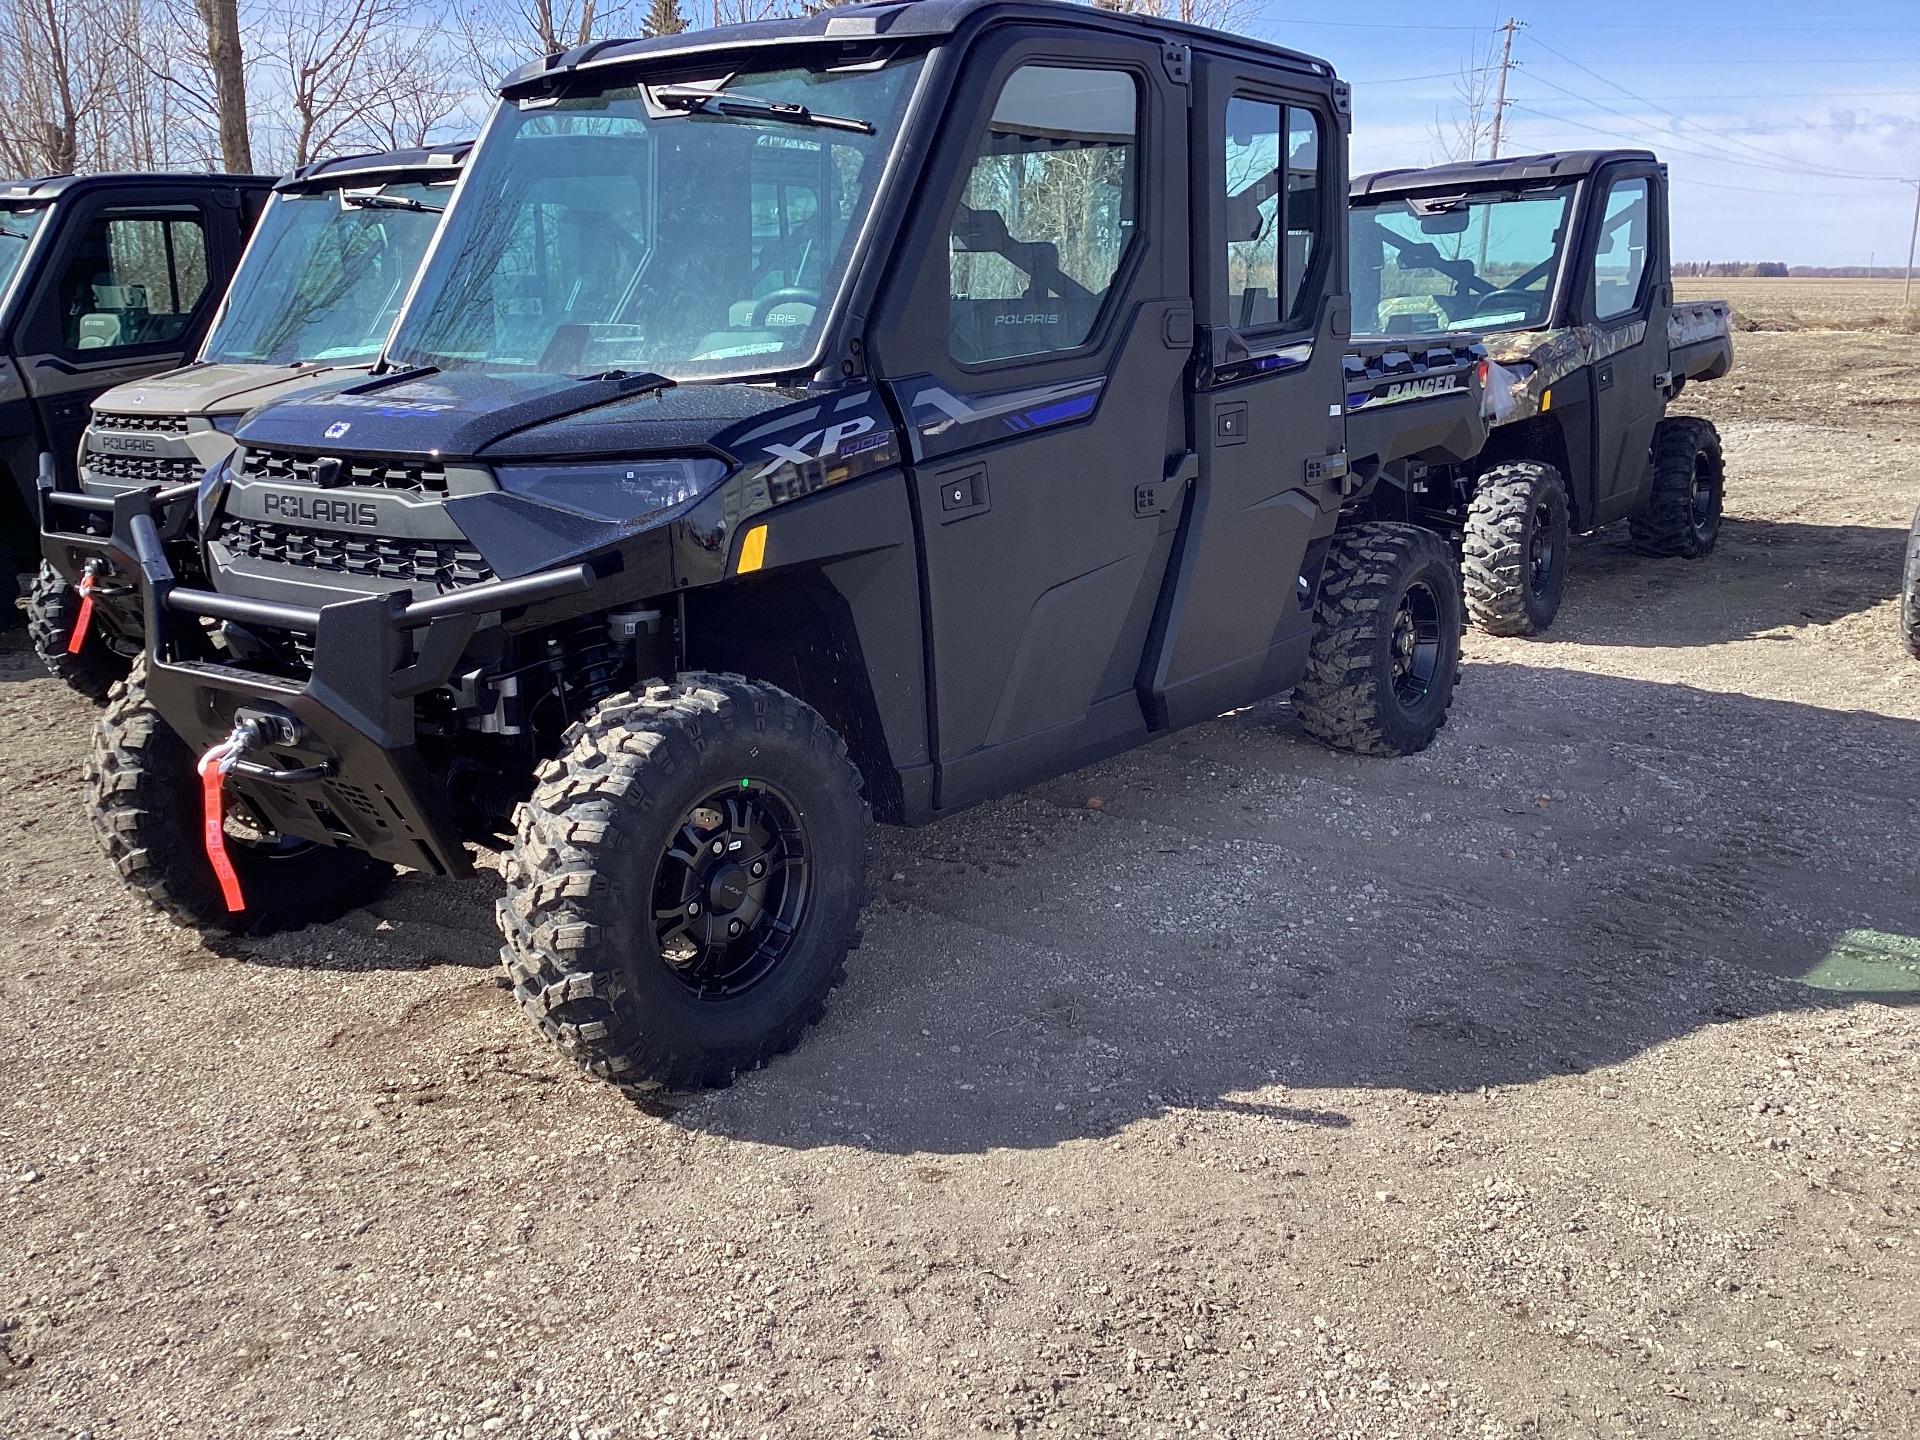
(84, 620)
(214, 827)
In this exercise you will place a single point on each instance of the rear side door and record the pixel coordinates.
(1627, 305)
(1034, 343)
(124, 295)
(1270, 166)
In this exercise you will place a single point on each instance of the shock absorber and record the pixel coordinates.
(585, 663)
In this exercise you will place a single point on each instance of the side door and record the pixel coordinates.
(1034, 342)
(1269, 164)
(1628, 308)
(123, 296)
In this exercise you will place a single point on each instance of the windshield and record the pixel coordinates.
(1483, 262)
(644, 228)
(325, 276)
(17, 228)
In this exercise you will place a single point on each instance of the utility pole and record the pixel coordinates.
(1506, 64)
(1906, 295)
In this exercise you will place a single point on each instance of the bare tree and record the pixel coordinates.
(352, 73)
(1468, 131)
(1214, 14)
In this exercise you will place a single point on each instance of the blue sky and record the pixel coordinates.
(1763, 110)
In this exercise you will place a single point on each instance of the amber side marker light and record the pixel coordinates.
(753, 551)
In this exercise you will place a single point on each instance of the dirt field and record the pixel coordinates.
(1811, 303)
(1561, 1081)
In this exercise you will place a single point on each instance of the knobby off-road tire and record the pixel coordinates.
(143, 796)
(1682, 515)
(52, 608)
(1514, 553)
(1386, 641)
(599, 880)
(1910, 593)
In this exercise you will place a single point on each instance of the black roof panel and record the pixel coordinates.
(1475, 174)
(442, 160)
(46, 187)
(858, 25)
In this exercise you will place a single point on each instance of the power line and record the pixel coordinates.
(1711, 151)
(1770, 155)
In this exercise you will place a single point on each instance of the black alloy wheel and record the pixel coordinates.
(1416, 644)
(730, 892)
(1542, 553)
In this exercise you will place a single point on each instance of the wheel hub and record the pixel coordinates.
(730, 888)
(1540, 550)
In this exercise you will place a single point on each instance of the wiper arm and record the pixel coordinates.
(7, 232)
(752, 107)
(390, 202)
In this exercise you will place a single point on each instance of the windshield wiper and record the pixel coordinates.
(7, 232)
(390, 202)
(752, 107)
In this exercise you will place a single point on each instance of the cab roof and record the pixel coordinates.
(856, 27)
(49, 187)
(380, 166)
(1479, 174)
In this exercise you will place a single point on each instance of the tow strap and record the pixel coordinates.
(213, 767)
(84, 620)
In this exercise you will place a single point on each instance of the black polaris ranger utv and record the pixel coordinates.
(319, 287)
(1561, 264)
(874, 411)
(103, 279)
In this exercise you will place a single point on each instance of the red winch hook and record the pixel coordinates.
(213, 768)
(84, 620)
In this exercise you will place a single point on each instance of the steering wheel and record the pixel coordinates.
(789, 295)
(1505, 300)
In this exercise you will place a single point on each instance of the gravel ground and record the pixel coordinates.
(1562, 1080)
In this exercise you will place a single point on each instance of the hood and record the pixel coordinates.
(464, 415)
(202, 389)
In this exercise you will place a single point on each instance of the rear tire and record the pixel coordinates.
(648, 954)
(143, 796)
(1386, 641)
(52, 608)
(1682, 515)
(1910, 593)
(1514, 552)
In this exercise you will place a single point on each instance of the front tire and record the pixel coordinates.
(1682, 515)
(640, 936)
(1910, 593)
(143, 796)
(1386, 641)
(53, 607)
(1514, 552)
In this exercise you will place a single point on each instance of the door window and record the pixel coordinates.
(1047, 216)
(1272, 211)
(1620, 258)
(135, 279)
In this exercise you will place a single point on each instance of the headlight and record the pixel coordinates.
(611, 491)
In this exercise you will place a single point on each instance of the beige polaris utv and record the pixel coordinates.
(320, 285)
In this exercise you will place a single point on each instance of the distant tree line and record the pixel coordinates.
(1776, 270)
(1766, 269)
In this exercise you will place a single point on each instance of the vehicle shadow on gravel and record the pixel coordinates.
(1763, 576)
(1246, 910)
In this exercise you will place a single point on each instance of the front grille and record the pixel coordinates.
(144, 469)
(424, 477)
(422, 562)
(149, 424)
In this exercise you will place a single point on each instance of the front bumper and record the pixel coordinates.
(76, 532)
(354, 775)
